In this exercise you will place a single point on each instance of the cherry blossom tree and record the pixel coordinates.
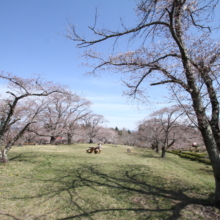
(107, 135)
(149, 131)
(26, 113)
(17, 110)
(91, 124)
(162, 132)
(171, 125)
(81, 111)
(183, 54)
(60, 117)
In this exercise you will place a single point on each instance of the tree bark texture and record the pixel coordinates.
(3, 156)
(214, 156)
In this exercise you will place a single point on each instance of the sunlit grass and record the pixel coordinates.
(64, 182)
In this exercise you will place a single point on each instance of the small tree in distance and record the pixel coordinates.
(170, 129)
(91, 125)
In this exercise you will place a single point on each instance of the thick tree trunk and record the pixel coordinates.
(52, 140)
(210, 141)
(3, 152)
(90, 141)
(217, 192)
(214, 126)
(211, 146)
(208, 135)
(3, 156)
(157, 148)
(69, 138)
(214, 156)
(163, 152)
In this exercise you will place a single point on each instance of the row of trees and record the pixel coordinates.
(41, 112)
(168, 128)
(36, 111)
(165, 128)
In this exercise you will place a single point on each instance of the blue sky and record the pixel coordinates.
(32, 41)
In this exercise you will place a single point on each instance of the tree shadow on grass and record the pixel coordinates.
(147, 154)
(32, 157)
(10, 216)
(133, 181)
(150, 156)
(17, 157)
(135, 189)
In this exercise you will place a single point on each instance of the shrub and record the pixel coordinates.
(200, 157)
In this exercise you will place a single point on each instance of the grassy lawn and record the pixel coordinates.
(64, 182)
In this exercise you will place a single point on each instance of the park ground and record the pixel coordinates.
(64, 182)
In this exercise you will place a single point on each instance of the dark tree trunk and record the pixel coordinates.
(214, 156)
(206, 126)
(52, 140)
(211, 144)
(69, 138)
(157, 148)
(163, 152)
(90, 141)
(217, 192)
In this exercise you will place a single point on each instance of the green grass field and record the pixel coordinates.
(64, 182)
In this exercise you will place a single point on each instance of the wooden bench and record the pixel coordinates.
(93, 149)
(97, 151)
(90, 150)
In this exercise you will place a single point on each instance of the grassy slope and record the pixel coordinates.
(64, 182)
